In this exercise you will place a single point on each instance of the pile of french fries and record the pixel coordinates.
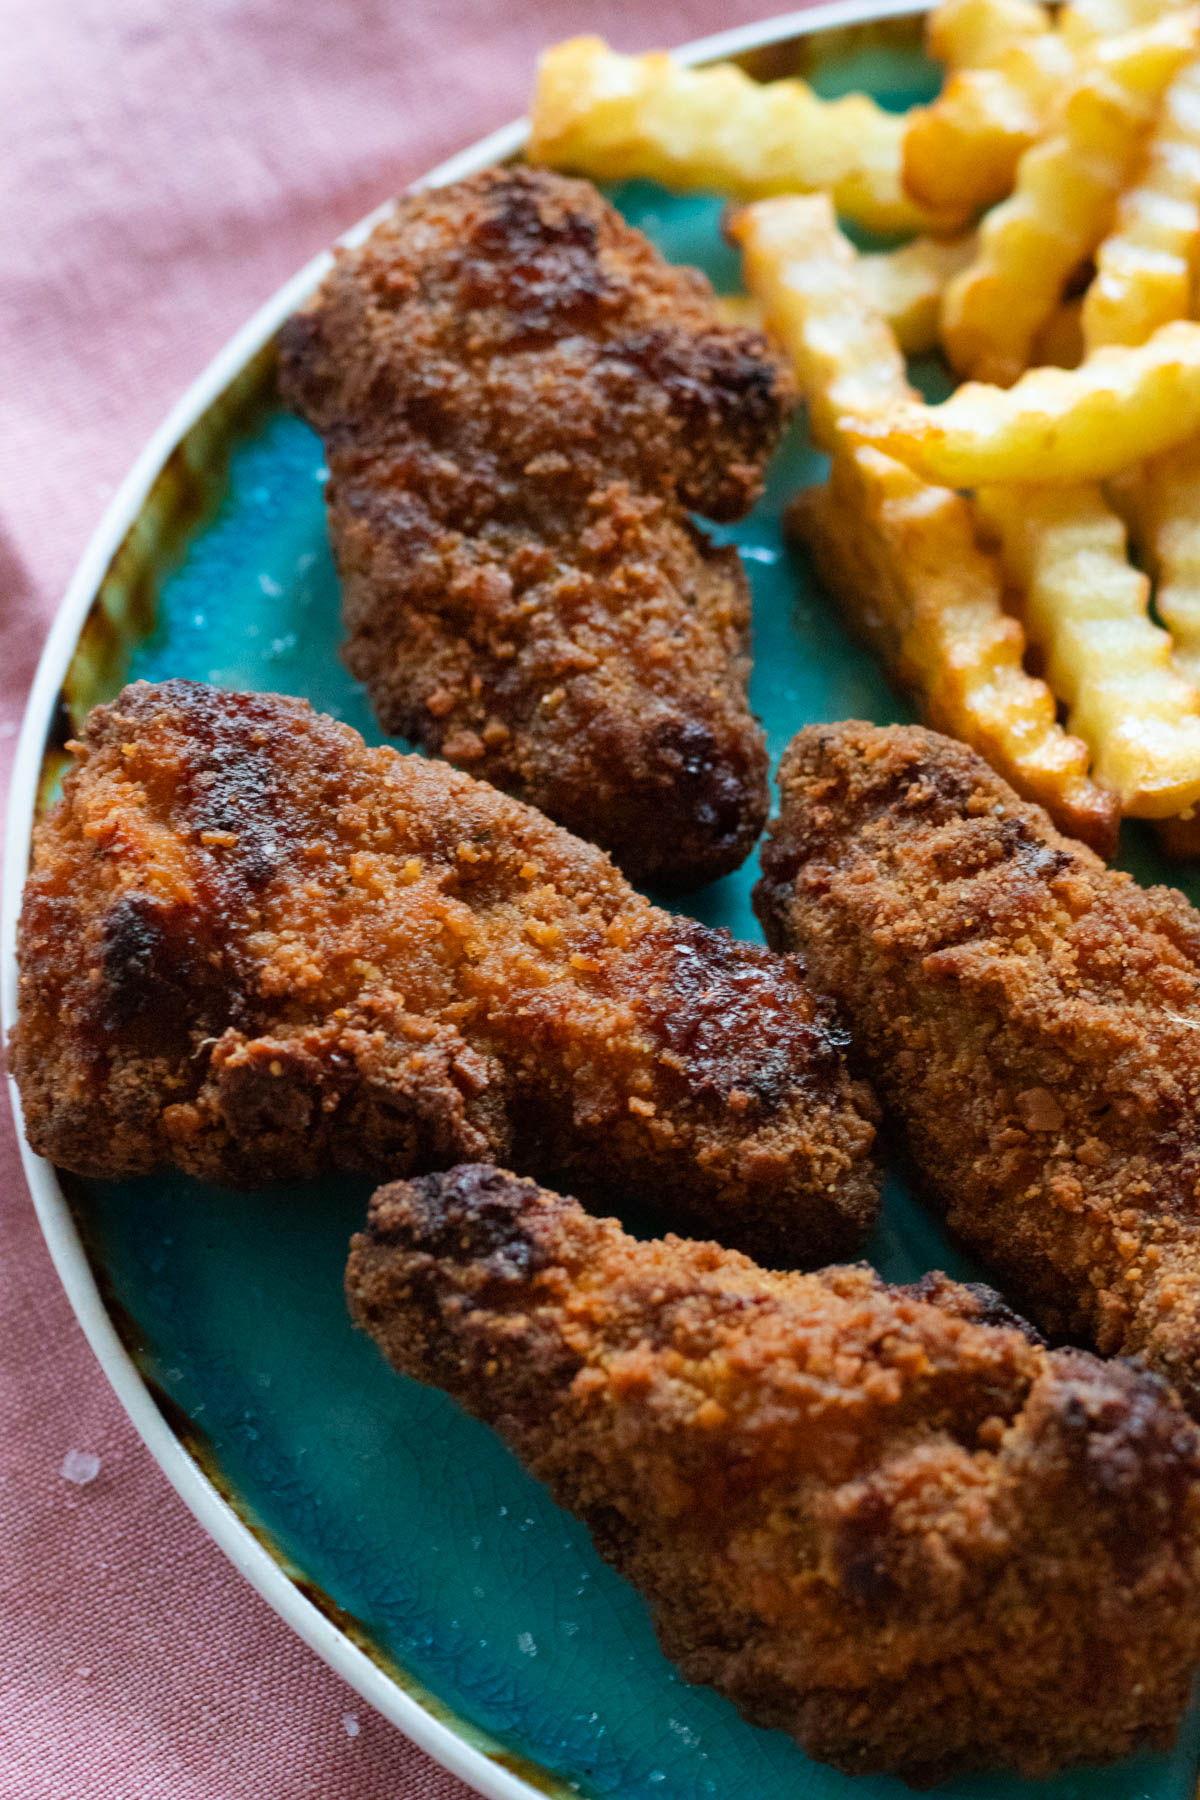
(1050, 202)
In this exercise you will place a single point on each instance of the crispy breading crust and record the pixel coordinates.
(519, 400)
(254, 947)
(886, 1520)
(1031, 1020)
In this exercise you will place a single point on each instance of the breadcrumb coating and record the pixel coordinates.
(884, 1519)
(1030, 1018)
(520, 401)
(256, 948)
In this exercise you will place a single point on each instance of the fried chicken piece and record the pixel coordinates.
(1030, 1019)
(520, 400)
(256, 948)
(886, 1520)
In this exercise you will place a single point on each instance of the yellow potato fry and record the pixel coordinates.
(1144, 267)
(904, 284)
(1056, 425)
(1087, 610)
(962, 151)
(805, 276)
(1060, 341)
(901, 559)
(900, 555)
(1063, 203)
(1161, 504)
(609, 116)
(1086, 23)
(974, 34)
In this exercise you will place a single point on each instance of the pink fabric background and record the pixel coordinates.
(166, 166)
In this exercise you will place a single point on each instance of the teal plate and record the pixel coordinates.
(446, 1574)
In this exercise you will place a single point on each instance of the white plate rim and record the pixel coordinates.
(439, 1738)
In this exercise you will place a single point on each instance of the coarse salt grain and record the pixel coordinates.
(350, 1724)
(80, 1466)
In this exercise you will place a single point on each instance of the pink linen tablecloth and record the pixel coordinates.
(166, 166)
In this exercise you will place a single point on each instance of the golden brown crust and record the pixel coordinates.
(254, 947)
(886, 1520)
(1031, 1020)
(520, 400)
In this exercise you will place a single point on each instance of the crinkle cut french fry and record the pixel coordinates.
(609, 116)
(1087, 610)
(1063, 203)
(905, 285)
(901, 559)
(804, 274)
(974, 34)
(900, 554)
(1144, 266)
(1160, 502)
(1056, 425)
(963, 150)
(1086, 23)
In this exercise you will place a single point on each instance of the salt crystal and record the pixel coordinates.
(80, 1466)
(526, 1644)
(350, 1724)
(690, 1737)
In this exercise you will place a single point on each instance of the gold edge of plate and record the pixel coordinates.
(808, 54)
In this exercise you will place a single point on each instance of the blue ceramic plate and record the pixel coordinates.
(397, 1535)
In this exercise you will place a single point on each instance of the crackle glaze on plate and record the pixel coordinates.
(396, 1535)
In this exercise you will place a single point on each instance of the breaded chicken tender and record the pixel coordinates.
(1031, 1020)
(253, 947)
(886, 1520)
(520, 402)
